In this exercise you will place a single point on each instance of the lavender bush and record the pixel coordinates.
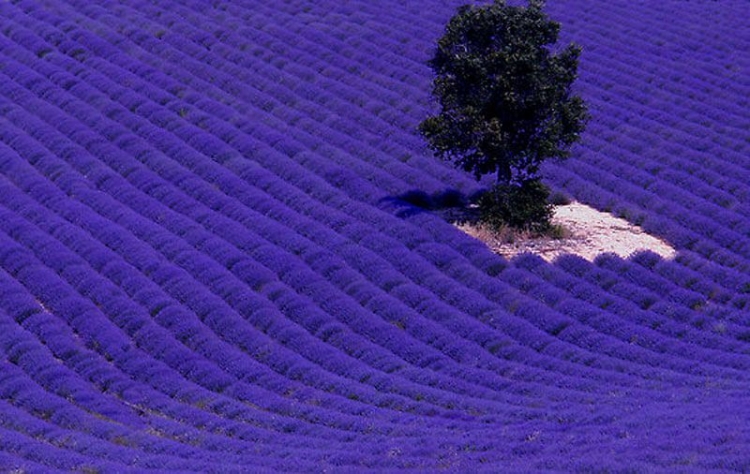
(207, 264)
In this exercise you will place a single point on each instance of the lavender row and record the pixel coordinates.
(184, 355)
(39, 414)
(256, 83)
(426, 298)
(139, 397)
(133, 199)
(487, 287)
(719, 350)
(89, 322)
(181, 109)
(659, 221)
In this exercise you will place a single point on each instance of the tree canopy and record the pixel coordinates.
(505, 93)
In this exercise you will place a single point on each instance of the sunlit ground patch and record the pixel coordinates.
(586, 233)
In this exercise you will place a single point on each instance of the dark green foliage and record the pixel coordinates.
(506, 105)
(505, 97)
(522, 206)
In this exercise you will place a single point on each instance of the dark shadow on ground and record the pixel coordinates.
(450, 204)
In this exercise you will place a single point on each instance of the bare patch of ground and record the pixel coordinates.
(586, 233)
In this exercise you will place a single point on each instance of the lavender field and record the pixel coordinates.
(218, 250)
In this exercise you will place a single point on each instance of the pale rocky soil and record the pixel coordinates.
(589, 233)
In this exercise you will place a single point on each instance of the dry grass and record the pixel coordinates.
(511, 235)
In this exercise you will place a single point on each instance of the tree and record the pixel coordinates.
(505, 95)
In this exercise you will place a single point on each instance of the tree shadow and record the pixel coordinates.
(450, 204)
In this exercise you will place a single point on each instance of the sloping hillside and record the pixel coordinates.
(220, 251)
